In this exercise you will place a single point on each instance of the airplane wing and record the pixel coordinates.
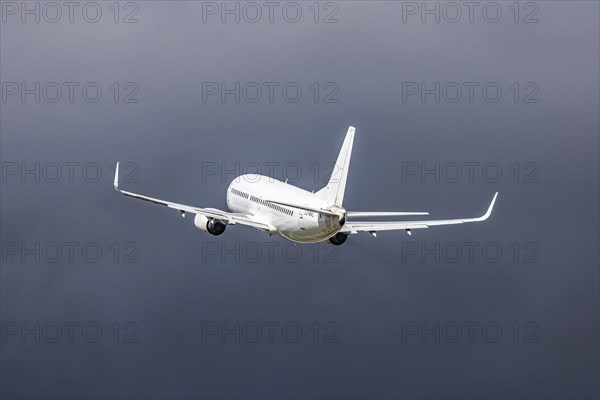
(302, 207)
(227, 217)
(359, 214)
(373, 227)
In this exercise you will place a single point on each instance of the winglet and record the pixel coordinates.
(489, 210)
(116, 182)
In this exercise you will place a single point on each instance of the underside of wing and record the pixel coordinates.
(375, 226)
(247, 219)
(366, 214)
(224, 216)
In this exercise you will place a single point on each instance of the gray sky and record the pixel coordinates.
(361, 307)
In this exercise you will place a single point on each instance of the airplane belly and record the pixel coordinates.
(308, 232)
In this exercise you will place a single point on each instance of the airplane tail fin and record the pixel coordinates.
(333, 193)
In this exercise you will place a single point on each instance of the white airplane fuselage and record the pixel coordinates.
(256, 194)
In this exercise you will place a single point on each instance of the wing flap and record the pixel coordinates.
(355, 227)
(362, 214)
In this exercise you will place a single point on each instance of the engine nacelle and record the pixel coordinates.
(338, 238)
(209, 225)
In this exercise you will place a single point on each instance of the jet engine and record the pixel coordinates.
(209, 225)
(338, 238)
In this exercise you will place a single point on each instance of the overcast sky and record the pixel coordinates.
(447, 113)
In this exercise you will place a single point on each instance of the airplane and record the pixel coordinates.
(281, 209)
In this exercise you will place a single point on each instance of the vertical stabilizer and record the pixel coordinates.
(333, 193)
